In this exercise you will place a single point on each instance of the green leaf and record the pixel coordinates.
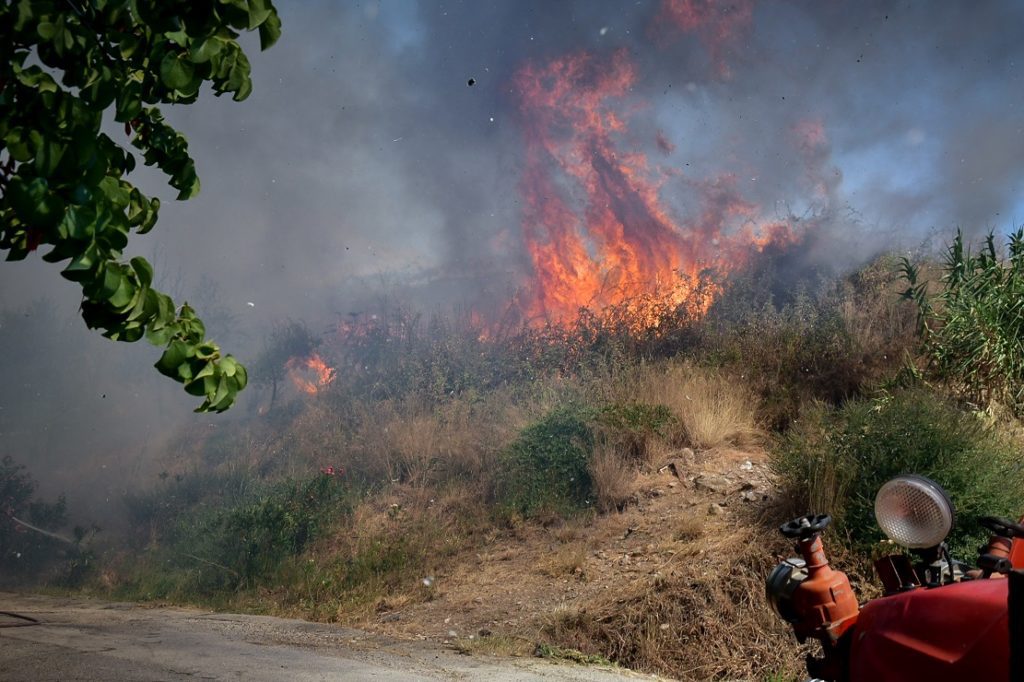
(143, 270)
(207, 370)
(270, 31)
(124, 297)
(78, 223)
(223, 390)
(48, 154)
(259, 12)
(206, 49)
(228, 365)
(241, 376)
(80, 266)
(179, 37)
(199, 387)
(16, 141)
(34, 203)
(101, 90)
(176, 72)
(154, 209)
(47, 30)
(172, 359)
(128, 103)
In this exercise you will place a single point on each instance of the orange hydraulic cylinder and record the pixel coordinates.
(825, 601)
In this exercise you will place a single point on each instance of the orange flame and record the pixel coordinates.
(310, 374)
(595, 226)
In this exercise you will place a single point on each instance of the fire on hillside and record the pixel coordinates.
(596, 227)
(310, 374)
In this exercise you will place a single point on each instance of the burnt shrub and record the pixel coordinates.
(834, 460)
(813, 337)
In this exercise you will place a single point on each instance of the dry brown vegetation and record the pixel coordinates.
(702, 621)
(713, 408)
(647, 569)
(614, 478)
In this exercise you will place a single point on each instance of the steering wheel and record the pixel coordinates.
(1002, 527)
(808, 526)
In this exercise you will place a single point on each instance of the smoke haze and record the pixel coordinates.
(365, 161)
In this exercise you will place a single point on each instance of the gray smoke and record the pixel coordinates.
(364, 159)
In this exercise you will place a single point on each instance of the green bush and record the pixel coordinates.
(155, 510)
(545, 469)
(631, 426)
(24, 552)
(257, 537)
(972, 328)
(242, 545)
(835, 460)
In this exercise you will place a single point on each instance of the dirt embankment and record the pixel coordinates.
(673, 583)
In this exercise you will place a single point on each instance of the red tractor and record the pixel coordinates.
(939, 620)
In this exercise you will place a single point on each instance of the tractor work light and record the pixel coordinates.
(914, 511)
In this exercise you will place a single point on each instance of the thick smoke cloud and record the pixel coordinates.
(364, 159)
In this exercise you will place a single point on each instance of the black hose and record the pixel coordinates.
(26, 621)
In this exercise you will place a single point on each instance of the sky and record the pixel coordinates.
(365, 164)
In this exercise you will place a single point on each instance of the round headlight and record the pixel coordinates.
(914, 511)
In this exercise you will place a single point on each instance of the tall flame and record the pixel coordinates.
(310, 374)
(595, 226)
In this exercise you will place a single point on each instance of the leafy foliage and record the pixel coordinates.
(62, 181)
(973, 327)
(834, 461)
(241, 543)
(545, 469)
(631, 426)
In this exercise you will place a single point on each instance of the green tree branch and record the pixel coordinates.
(62, 181)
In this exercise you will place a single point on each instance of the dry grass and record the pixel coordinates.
(495, 645)
(410, 441)
(613, 478)
(824, 486)
(701, 621)
(571, 530)
(689, 527)
(712, 408)
(880, 322)
(383, 557)
(564, 561)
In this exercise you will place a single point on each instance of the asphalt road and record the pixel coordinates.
(86, 640)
